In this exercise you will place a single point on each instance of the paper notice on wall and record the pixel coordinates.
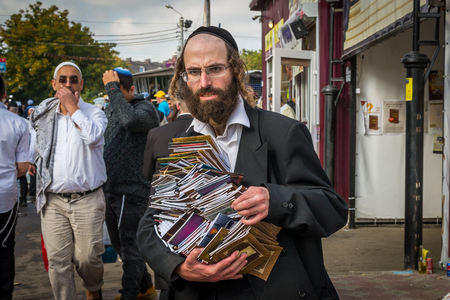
(394, 113)
(372, 117)
(435, 115)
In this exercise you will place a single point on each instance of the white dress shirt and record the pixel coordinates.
(228, 142)
(14, 145)
(79, 164)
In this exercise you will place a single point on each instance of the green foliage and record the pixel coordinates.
(252, 58)
(34, 41)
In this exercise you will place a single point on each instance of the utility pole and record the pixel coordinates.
(415, 64)
(181, 26)
(206, 14)
(181, 35)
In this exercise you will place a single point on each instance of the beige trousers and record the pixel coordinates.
(73, 236)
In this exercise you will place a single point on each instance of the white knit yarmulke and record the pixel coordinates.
(66, 63)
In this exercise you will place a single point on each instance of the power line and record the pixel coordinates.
(107, 22)
(148, 43)
(93, 36)
(66, 56)
(57, 44)
(142, 42)
(137, 38)
(110, 22)
(133, 34)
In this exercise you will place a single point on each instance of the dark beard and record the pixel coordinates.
(213, 112)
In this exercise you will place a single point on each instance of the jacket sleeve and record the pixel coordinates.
(156, 254)
(305, 201)
(148, 168)
(138, 118)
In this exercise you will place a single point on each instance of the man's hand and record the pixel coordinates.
(110, 76)
(22, 168)
(68, 100)
(253, 202)
(32, 170)
(226, 269)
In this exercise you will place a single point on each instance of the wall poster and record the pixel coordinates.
(372, 117)
(394, 113)
(435, 115)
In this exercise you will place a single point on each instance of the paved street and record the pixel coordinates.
(361, 264)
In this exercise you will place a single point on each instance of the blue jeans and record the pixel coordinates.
(7, 266)
(135, 276)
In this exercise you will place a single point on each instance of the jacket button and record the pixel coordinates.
(285, 204)
(302, 294)
(283, 252)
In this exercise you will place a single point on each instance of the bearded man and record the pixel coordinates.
(286, 184)
(70, 174)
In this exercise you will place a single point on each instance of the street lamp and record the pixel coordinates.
(181, 25)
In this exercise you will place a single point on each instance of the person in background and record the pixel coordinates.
(71, 169)
(130, 117)
(158, 139)
(287, 110)
(14, 108)
(30, 104)
(173, 109)
(14, 161)
(163, 106)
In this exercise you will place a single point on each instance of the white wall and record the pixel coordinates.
(380, 160)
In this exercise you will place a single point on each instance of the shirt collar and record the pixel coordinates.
(2, 106)
(238, 116)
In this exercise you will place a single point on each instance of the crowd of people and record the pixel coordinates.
(94, 166)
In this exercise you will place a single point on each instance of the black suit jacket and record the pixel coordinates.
(275, 152)
(157, 140)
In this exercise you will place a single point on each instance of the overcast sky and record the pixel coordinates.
(119, 17)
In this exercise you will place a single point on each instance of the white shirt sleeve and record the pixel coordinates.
(92, 125)
(23, 146)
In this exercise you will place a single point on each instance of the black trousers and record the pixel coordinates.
(32, 189)
(23, 189)
(7, 267)
(135, 276)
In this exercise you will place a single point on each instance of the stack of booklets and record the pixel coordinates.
(194, 191)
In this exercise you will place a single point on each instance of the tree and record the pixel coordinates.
(36, 40)
(252, 58)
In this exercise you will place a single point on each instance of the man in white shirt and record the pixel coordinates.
(71, 172)
(14, 141)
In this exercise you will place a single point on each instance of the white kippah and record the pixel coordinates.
(66, 63)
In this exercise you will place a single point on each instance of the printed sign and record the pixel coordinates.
(2, 65)
(409, 89)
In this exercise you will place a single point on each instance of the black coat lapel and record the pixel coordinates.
(252, 154)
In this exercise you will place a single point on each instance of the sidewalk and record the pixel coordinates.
(360, 263)
(368, 263)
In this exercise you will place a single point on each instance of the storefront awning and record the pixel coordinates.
(367, 23)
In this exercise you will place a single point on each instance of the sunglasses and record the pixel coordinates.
(72, 79)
